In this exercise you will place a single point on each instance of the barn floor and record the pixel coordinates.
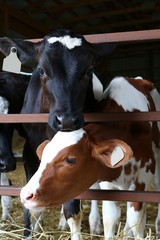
(14, 229)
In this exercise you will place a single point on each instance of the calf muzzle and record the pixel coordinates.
(66, 122)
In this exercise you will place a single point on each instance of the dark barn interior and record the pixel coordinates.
(33, 19)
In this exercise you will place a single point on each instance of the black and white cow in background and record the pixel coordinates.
(12, 91)
(60, 85)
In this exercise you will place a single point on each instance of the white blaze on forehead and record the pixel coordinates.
(67, 41)
(126, 95)
(60, 141)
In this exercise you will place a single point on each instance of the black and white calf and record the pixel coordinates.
(12, 90)
(59, 86)
(7, 160)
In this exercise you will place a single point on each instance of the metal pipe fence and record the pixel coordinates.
(114, 195)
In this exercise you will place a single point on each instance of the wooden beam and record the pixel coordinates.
(120, 37)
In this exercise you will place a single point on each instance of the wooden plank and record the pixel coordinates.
(121, 37)
(89, 117)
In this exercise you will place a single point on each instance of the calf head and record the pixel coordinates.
(65, 66)
(70, 163)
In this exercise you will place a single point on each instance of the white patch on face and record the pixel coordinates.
(117, 155)
(4, 105)
(60, 141)
(67, 41)
(126, 95)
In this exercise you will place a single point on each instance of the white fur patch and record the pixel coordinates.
(139, 77)
(97, 87)
(67, 41)
(156, 98)
(126, 95)
(117, 155)
(4, 105)
(60, 141)
(26, 73)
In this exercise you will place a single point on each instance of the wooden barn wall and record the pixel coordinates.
(144, 64)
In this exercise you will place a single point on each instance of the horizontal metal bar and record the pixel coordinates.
(132, 36)
(10, 191)
(23, 118)
(127, 116)
(124, 196)
(119, 37)
(89, 117)
(113, 195)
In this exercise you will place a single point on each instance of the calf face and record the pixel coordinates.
(70, 156)
(65, 66)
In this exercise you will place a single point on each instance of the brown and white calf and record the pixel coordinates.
(71, 162)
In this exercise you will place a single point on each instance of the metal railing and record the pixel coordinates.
(114, 195)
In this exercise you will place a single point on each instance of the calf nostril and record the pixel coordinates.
(68, 122)
(29, 197)
(25, 195)
(58, 120)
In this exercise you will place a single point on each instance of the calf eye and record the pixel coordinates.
(41, 72)
(71, 160)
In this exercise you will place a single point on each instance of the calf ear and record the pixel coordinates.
(26, 51)
(40, 148)
(114, 153)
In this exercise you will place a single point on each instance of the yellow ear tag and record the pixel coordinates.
(11, 63)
